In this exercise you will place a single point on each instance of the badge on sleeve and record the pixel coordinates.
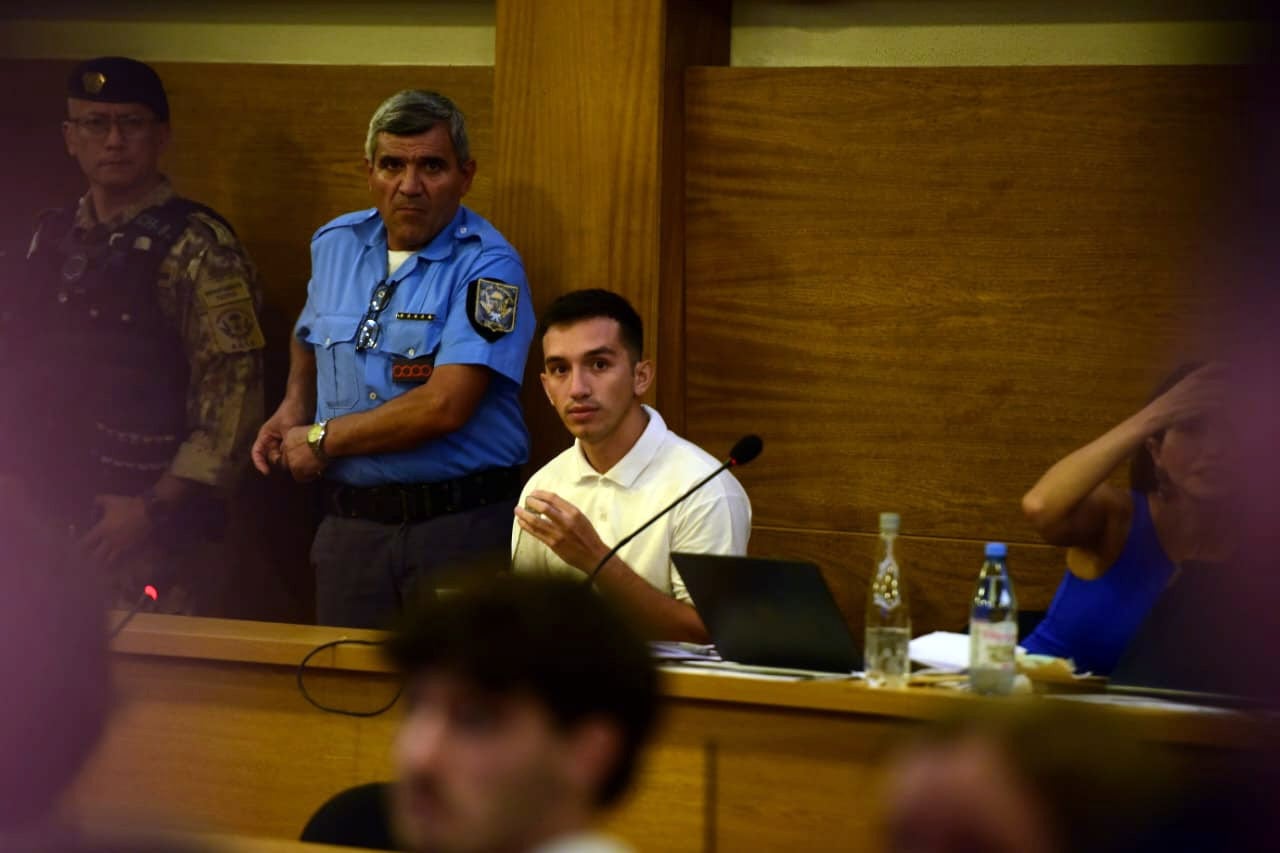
(235, 328)
(491, 307)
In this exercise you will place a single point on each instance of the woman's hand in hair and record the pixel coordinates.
(1198, 394)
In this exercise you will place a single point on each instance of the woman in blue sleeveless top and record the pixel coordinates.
(1124, 546)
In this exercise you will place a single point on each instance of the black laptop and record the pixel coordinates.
(769, 613)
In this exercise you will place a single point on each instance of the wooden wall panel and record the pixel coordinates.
(697, 33)
(577, 99)
(923, 286)
(940, 573)
(586, 93)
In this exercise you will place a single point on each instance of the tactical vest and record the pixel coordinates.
(101, 374)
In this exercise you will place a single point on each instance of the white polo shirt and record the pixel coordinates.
(659, 468)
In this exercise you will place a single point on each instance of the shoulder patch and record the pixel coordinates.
(214, 291)
(491, 307)
(213, 229)
(235, 328)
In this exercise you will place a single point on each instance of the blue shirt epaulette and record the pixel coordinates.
(346, 220)
(475, 227)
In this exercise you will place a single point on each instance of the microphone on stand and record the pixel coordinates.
(746, 449)
(148, 593)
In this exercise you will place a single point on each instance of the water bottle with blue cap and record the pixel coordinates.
(993, 626)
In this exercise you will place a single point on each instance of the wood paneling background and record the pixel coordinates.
(923, 286)
(588, 105)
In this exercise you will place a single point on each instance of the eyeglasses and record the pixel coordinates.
(99, 126)
(370, 331)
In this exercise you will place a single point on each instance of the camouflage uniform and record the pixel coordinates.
(208, 289)
(207, 297)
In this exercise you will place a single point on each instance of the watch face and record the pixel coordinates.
(313, 434)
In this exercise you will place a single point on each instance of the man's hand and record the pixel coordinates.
(268, 448)
(122, 527)
(299, 458)
(560, 526)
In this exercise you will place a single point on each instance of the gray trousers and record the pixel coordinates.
(366, 570)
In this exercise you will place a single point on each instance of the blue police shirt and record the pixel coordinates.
(452, 305)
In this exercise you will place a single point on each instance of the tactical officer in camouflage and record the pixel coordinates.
(130, 335)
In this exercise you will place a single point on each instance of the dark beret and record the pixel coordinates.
(119, 80)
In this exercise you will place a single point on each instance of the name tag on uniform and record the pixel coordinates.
(412, 371)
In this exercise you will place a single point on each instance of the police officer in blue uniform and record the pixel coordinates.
(405, 372)
(130, 351)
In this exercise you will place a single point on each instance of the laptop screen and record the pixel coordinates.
(776, 613)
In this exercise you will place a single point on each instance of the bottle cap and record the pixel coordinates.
(997, 550)
(889, 522)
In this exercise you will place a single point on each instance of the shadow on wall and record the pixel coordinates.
(44, 175)
(273, 519)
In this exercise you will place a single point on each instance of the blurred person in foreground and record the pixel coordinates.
(53, 665)
(1054, 778)
(528, 701)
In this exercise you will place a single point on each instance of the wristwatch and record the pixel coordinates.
(315, 439)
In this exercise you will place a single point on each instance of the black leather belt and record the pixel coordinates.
(399, 503)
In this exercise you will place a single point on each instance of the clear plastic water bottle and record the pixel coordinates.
(993, 626)
(888, 615)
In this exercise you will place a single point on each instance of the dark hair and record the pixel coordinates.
(1142, 468)
(578, 305)
(54, 666)
(1078, 763)
(556, 639)
(413, 111)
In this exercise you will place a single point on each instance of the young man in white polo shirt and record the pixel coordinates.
(624, 467)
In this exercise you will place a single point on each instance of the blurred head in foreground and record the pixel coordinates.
(1045, 778)
(53, 668)
(527, 703)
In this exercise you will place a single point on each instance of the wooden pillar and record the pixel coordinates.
(589, 183)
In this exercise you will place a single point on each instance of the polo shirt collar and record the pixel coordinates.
(629, 468)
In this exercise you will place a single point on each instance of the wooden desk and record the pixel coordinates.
(203, 842)
(212, 735)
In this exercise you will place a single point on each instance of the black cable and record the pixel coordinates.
(302, 688)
